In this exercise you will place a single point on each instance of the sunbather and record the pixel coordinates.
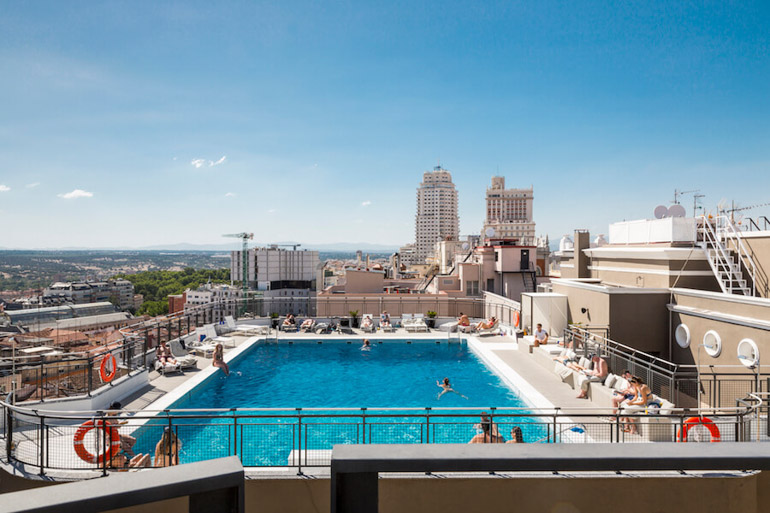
(638, 403)
(384, 319)
(307, 325)
(126, 441)
(164, 355)
(482, 325)
(219, 359)
(447, 388)
(463, 320)
(289, 321)
(598, 373)
(366, 323)
(626, 394)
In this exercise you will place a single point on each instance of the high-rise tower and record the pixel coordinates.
(436, 218)
(509, 212)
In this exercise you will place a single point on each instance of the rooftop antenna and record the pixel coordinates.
(695, 200)
(678, 193)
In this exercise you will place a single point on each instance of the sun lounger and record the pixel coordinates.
(230, 323)
(202, 348)
(308, 326)
(415, 324)
(252, 329)
(185, 359)
(371, 327)
(168, 368)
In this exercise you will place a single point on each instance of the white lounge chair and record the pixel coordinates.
(308, 326)
(230, 323)
(416, 324)
(387, 328)
(252, 329)
(371, 327)
(185, 359)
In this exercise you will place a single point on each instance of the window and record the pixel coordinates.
(491, 284)
(472, 288)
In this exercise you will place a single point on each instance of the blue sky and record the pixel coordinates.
(314, 121)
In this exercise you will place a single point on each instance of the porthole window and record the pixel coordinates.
(748, 353)
(712, 342)
(682, 335)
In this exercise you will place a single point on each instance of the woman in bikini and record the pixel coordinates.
(219, 359)
(447, 388)
(638, 403)
(489, 432)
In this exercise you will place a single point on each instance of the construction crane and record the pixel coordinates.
(245, 237)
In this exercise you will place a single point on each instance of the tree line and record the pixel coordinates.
(156, 286)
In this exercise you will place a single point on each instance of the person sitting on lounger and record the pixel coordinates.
(289, 321)
(642, 396)
(598, 373)
(126, 441)
(164, 355)
(541, 336)
(366, 323)
(306, 325)
(384, 320)
(485, 325)
(447, 388)
(463, 320)
(219, 359)
(489, 432)
(624, 395)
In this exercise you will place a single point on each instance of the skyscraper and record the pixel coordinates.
(509, 212)
(436, 218)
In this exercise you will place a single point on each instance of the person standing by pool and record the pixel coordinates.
(219, 359)
(447, 388)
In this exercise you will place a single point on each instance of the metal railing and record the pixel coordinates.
(683, 385)
(44, 441)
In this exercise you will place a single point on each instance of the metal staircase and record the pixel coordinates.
(727, 255)
(530, 281)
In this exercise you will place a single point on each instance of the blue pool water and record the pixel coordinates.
(328, 377)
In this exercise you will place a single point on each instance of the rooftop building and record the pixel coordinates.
(436, 217)
(509, 213)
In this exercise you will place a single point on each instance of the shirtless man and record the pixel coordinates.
(598, 373)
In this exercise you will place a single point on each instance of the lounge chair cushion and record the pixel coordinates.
(621, 384)
(610, 380)
(583, 362)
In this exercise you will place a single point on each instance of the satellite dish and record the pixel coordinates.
(676, 211)
(660, 212)
(465, 245)
(489, 232)
(748, 353)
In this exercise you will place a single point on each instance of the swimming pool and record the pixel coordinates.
(321, 393)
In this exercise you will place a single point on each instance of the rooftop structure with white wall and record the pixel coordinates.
(274, 268)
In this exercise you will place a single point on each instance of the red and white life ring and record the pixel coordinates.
(681, 434)
(113, 441)
(516, 319)
(107, 377)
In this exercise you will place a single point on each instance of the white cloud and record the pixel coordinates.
(229, 195)
(32, 185)
(199, 163)
(366, 203)
(271, 211)
(77, 193)
(4, 188)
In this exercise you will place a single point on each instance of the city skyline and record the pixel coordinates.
(130, 126)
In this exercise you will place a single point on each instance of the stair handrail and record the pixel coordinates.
(743, 255)
(721, 260)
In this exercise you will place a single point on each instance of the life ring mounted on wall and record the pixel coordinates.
(113, 364)
(113, 441)
(681, 434)
(516, 318)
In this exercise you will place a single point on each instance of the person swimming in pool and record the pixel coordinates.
(367, 345)
(447, 388)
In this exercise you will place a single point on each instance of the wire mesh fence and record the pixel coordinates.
(108, 443)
